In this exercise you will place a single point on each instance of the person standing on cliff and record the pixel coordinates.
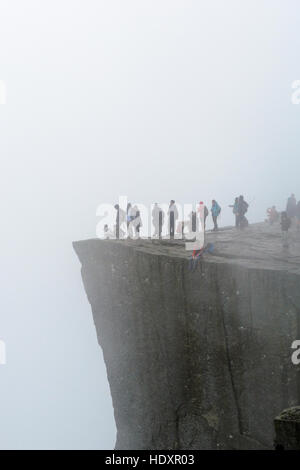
(291, 207)
(203, 213)
(285, 225)
(136, 222)
(131, 215)
(157, 220)
(235, 211)
(121, 217)
(173, 216)
(242, 221)
(272, 215)
(215, 212)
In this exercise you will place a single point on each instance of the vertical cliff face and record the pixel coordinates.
(196, 360)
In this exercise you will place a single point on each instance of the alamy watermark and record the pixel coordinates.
(296, 353)
(159, 220)
(2, 92)
(2, 353)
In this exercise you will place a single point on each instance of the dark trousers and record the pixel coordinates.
(160, 224)
(242, 221)
(215, 221)
(118, 227)
(194, 223)
(172, 224)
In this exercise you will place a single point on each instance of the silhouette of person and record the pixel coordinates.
(215, 212)
(158, 220)
(121, 217)
(173, 216)
(291, 207)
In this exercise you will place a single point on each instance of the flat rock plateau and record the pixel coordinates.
(197, 359)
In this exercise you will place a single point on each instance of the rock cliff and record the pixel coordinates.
(197, 360)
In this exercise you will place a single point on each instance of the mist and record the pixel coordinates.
(185, 100)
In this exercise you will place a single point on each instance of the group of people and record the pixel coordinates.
(132, 219)
(288, 218)
(239, 208)
(293, 210)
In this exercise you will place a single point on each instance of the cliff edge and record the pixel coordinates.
(197, 359)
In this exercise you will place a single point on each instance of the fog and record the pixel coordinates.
(156, 100)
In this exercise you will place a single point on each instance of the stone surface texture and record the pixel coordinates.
(197, 360)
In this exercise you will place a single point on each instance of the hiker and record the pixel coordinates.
(121, 217)
(136, 223)
(173, 216)
(193, 221)
(242, 221)
(186, 225)
(291, 207)
(158, 220)
(131, 215)
(273, 215)
(161, 221)
(155, 220)
(203, 213)
(285, 225)
(215, 212)
(235, 210)
(128, 217)
(298, 216)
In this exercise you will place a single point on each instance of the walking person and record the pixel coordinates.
(173, 216)
(215, 212)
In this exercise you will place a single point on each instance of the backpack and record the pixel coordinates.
(245, 207)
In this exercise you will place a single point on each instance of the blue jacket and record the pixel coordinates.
(215, 209)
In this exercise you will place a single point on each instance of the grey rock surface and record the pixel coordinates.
(197, 360)
(287, 429)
